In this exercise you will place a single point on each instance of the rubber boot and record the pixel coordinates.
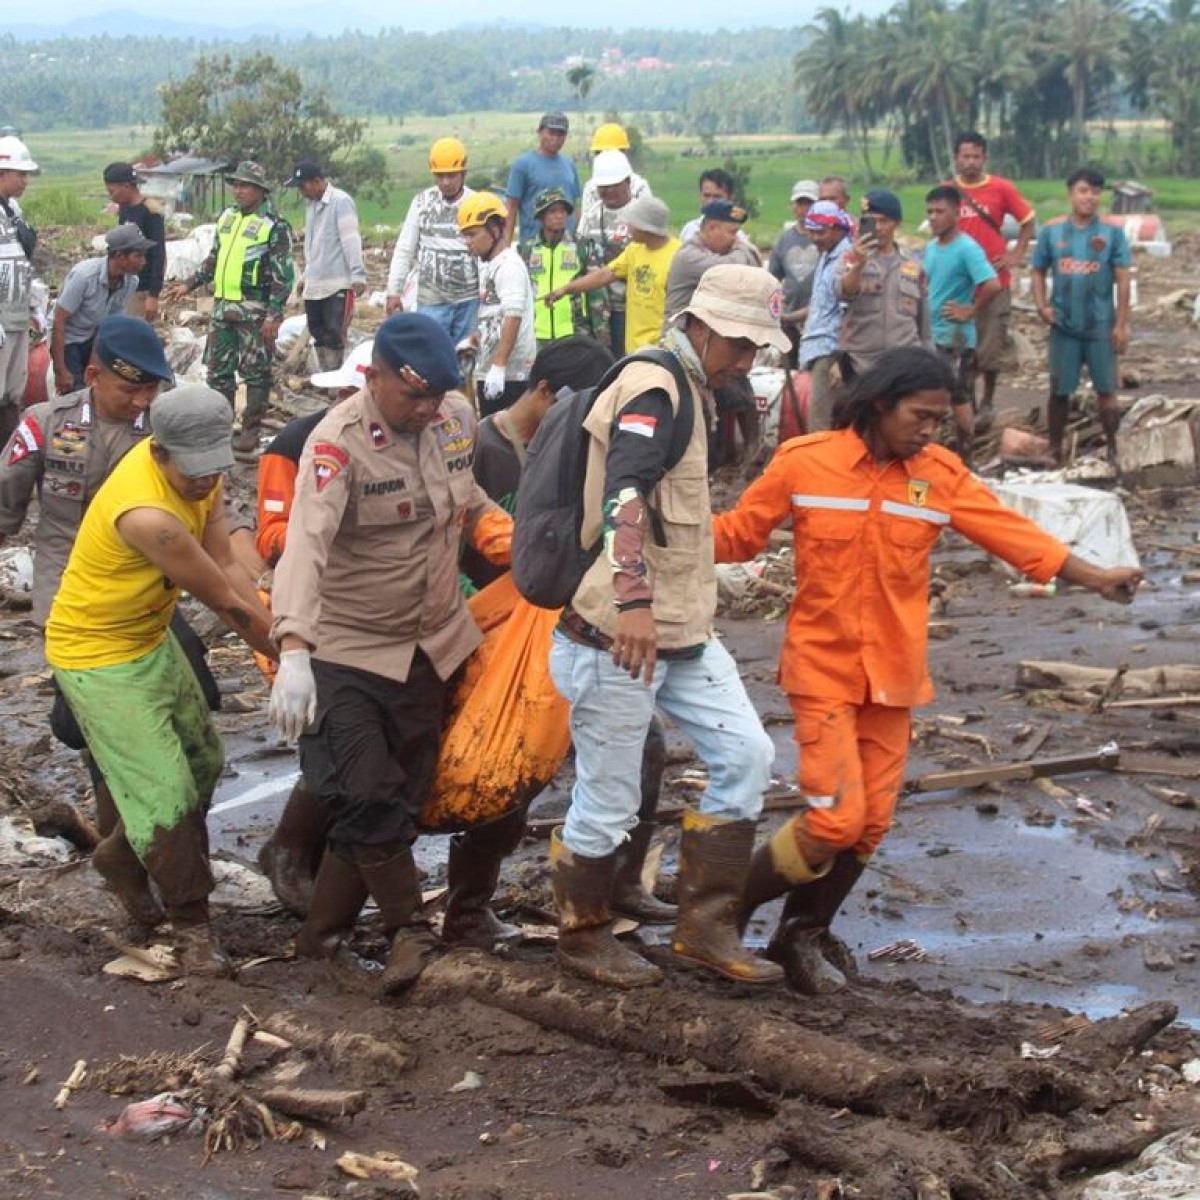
(714, 857)
(258, 396)
(119, 867)
(472, 873)
(287, 857)
(329, 358)
(586, 945)
(337, 898)
(391, 877)
(801, 941)
(196, 947)
(630, 897)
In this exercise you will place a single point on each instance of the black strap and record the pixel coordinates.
(981, 211)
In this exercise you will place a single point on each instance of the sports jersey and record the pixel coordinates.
(999, 198)
(114, 604)
(1083, 259)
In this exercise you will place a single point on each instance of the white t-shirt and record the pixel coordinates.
(505, 290)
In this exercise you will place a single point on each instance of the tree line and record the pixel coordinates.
(1033, 73)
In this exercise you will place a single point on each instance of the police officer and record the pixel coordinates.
(553, 260)
(372, 626)
(252, 272)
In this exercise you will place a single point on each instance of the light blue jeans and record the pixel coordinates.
(458, 320)
(610, 714)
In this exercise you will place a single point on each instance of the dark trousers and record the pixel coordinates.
(372, 754)
(78, 355)
(327, 320)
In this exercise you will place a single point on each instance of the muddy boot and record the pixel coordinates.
(391, 877)
(329, 358)
(337, 898)
(586, 945)
(287, 857)
(802, 941)
(119, 867)
(714, 857)
(196, 947)
(630, 896)
(246, 442)
(472, 873)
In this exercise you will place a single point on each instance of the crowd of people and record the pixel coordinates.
(377, 517)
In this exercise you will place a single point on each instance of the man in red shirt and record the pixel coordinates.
(986, 201)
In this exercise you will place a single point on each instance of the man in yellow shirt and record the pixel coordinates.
(156, 528)
(644, 265)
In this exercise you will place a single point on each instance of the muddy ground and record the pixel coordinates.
(995, 1063)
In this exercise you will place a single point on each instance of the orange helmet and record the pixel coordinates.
(478, 209)
(447, 155)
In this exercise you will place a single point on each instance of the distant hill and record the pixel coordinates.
(308, 21)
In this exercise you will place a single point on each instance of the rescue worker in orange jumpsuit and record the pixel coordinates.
(867, 500)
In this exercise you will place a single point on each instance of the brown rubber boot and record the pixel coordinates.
(290, 855)
(391, 877)
(258, 398)
(586, 945)
(329, 358)
(714, 858)
(764, 883)
(196, 947)
(802, 942)
(119, 867)
(338, 895)
(472, 873)
(630, 897)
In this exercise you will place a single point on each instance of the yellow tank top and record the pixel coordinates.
(114, 605)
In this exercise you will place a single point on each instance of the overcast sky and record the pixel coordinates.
(426, 16)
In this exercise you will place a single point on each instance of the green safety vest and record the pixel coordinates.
(551, 267)
(243, 239)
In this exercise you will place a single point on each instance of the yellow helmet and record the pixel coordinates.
(478, 209)
(609, 136)
(447, 155)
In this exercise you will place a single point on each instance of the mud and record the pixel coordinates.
(1039, 912)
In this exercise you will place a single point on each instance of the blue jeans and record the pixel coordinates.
(458, 320)
(610, 713)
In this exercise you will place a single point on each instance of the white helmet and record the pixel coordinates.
(610, 167)
(15, 156)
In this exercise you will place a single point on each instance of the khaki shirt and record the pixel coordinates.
(370, 571)
(888, 311)
(64, 451)
(681, 574)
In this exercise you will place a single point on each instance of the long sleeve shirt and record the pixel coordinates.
(823, 326)
(333, 253)
(447, 272)
(862, 535)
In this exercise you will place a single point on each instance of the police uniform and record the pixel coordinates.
(889, 310)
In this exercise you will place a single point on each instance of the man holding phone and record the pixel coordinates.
(882, 287)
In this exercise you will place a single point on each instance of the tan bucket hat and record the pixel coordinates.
(741, 302)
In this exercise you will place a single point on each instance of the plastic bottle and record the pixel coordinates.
(1029, 588)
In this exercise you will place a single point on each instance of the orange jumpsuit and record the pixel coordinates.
(854, 654)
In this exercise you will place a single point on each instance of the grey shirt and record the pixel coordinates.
(793, 261)
(87, 298)
(333, 252)
(689, 264)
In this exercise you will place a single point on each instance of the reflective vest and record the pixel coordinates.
(242, 245)
(551, 267)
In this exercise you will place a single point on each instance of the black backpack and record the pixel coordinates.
(549, 560)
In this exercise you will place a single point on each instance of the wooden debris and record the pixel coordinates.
(381, 1165)
(1139, 681)
(1107, 758)
(231, 1061)
(315, 1104)
(1141, 763)
(72, 1083)
(723, 1091)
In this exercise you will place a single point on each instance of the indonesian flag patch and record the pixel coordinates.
(27, 439)
(638, 423)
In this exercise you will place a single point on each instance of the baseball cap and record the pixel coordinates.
(741, 302)
(120, 172)
(352, 373)
(649, 214)
(125, 238)
(415, 346)
(556, 121)
(806, 189)
(884, 203)
(609, 167)
(194, 425)
(825, 214)
(129, 347)
(724, 210)
(306, 169)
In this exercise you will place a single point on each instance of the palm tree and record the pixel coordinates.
(581, 76)
(1164, 71)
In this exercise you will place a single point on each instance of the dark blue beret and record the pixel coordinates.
(129, 347)
(724, 210)
(418, 342)
(883, 202)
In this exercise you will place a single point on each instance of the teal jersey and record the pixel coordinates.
(1083, 260)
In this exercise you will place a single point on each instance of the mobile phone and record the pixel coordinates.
(866, 226)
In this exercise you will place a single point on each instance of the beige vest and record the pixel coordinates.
(681, 574)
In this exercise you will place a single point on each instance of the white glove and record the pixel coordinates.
(294, 697)
(493, 383)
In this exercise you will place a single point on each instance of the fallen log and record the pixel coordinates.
(1141, 681)
(1107, 758)
(311, 1104)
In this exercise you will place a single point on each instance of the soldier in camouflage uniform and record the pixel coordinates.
(252, 272)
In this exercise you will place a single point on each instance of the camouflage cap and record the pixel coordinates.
(249, 171)
(549, 197)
